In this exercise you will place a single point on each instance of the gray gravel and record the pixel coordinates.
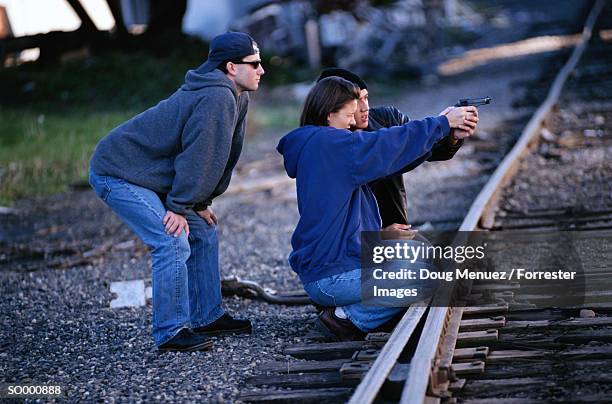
(57, 327)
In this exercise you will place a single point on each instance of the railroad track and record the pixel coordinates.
(503, 342)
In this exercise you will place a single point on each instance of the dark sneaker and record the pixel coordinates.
(186, 341)
(337, 328)
(225, 324)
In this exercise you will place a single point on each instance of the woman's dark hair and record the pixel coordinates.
(327, 96)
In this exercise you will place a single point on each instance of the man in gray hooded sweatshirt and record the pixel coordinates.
(160, 171)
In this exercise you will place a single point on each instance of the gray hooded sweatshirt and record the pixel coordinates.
(183, 148)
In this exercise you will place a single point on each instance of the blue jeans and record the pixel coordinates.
(185, 270)
(344, 290)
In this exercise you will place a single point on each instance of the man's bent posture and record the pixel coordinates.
(160, 171)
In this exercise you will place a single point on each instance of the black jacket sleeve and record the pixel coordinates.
(444, 150)
(390, 191)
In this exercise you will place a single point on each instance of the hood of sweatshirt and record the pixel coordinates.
(196, 80)
(292, 144)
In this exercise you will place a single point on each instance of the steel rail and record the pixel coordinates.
(370, 385)
(423, 364)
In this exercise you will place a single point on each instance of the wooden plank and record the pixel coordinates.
(303, 380)
(494, 287)
(494, 387)
(499, 400)
(368, 389)
(457, 385)
(480, 352)
(366, 355)
(601, 306)
(513, 326)
(591, 296)
(475, 297)
(378, 339)
(354, 370)
(470, 368)
(481, 324)
(486, 309)
(595, 352)
(301, 367)
(325, 351)
(544, 368)
(512, 355)
(477, 336)
(544, 340)
(330, 395)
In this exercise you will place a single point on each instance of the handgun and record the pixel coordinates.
(473, 102)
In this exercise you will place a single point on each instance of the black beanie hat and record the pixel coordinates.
(345, 74)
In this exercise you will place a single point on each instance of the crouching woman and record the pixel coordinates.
(332, 167)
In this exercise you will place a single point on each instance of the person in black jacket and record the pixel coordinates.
(390, 192)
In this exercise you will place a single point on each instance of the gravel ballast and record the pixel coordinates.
(57, 327)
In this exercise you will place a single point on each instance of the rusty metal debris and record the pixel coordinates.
(253, 290)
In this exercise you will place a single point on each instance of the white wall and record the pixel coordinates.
(30, 17)
(207, 18)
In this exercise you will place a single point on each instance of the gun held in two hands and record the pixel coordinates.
(473, 102)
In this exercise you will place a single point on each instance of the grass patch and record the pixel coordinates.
(42, 153)
(53, 116)
(265, 117)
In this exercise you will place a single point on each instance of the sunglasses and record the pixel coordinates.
(255, 63)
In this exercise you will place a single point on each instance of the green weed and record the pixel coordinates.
(42, 153)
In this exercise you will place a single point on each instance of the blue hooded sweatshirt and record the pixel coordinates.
(332, 168)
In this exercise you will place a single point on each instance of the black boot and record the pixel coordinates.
(225, 325)
(338, 328)
(186, 341)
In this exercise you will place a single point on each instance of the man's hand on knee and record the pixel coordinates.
(208, 215)
(175, 224)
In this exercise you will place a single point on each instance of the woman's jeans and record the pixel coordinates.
(344, 290)
(185, 270)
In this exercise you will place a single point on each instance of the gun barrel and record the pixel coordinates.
(474, 102)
